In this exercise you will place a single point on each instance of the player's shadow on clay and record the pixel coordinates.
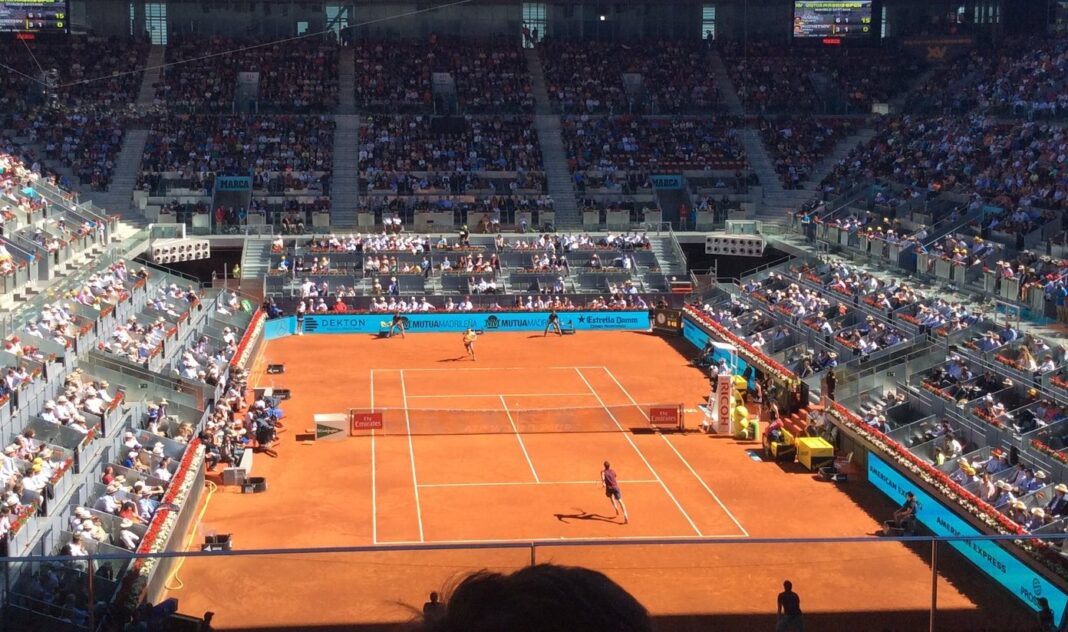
(457, 359)
(582, 515)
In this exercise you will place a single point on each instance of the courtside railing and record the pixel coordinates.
(732, 562)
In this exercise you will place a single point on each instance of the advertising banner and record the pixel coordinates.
(278, 327)
(232, 184)
(693, 332)
(664, 181)
(486, 321)
(664, 415)
(938, 49)
(364, 420)
(989, 557)
(722, 409)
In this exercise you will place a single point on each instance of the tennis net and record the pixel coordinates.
(592, 419)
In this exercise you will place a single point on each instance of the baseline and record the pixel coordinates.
(515, 483)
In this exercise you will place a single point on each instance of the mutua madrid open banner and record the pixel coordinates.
(990, 557)
(482, 321)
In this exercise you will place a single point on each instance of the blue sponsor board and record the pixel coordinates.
(694, 333)
(698, 337)
(666, 181)
(990, 557)
(488, 321)
(279, 327)
(229, 184)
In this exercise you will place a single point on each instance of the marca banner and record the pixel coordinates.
(232, 184)
(669, 320)
(487, 321)
(663, 181)
(990, 557)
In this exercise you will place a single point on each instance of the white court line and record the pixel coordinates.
(518, 436)
(519, 483)
(455, 396)
(502, 368)
(411, 453)
(374, 485)
(626, 435)
(681, 458)
(549, 541)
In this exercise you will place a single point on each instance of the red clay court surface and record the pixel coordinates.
(504, 472)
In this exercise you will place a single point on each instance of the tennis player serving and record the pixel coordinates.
(469, 342)
(611, 489)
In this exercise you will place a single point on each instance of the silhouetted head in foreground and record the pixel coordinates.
(542, 598)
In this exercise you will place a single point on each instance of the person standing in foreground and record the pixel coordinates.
(789, 610)
(433, 610)
(611, 489)
(554, 324)
(469, 342)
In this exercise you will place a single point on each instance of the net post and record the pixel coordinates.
(533, 554)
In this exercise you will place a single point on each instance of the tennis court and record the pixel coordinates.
(477, 455)
(539, 450)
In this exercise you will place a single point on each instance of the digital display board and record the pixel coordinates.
(34, 16)
(832, 18)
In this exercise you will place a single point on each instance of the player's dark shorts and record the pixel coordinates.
(611, 492)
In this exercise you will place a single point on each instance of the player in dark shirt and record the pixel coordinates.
(789, 610)
(611, 490)
(554, 323)
(397, 324)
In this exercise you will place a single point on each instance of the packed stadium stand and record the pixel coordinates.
(903, 175)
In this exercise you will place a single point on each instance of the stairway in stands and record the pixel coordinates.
(542, 103)
(727, 94)
(346, 103)
(255, 260)
(670, 263)
(345, 180)
(777, 200)
(153, 74)
(118, 199)
(840, 151)
(551, 141)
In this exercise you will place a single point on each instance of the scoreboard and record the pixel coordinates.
(34, 16)
(832, 18)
